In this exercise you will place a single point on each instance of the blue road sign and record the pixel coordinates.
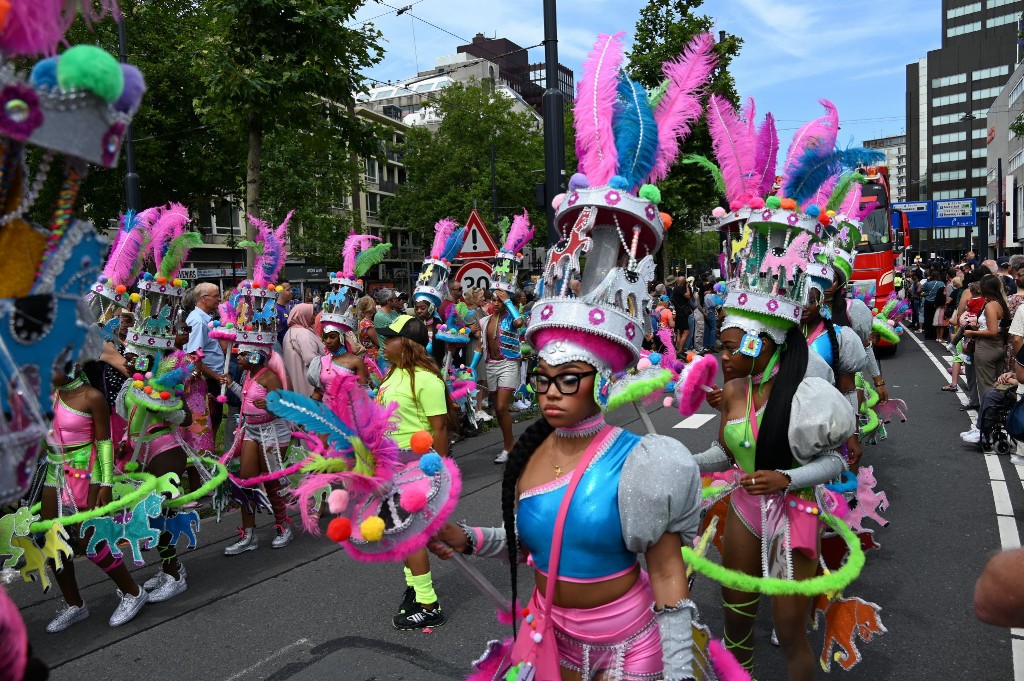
(919, 214)
(955, 213)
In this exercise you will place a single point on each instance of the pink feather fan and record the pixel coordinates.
(819, 134)
(127, 253)
(354, 244)
(443, 229)
(519, 234)
(680, 106)
(594, 108)
(690, 388)
(851, 205)
(726, 667)
(167, 224)
(766, 151)
(733, 143)
(821, 196)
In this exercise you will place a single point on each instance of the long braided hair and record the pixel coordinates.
(773, 450)
(520, 455)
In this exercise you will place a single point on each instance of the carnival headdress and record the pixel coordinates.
(256, 321)
(845, 214)
(510, 257)
(359, 255)
(157, 304)
(110, 294)
(624, 138)
(392, 501)
(432, 284)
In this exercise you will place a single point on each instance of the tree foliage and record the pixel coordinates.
(450, 170)
(662, 33)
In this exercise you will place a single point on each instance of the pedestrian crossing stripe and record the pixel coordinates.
(694, 422)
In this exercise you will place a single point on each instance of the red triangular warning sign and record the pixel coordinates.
(479, 243)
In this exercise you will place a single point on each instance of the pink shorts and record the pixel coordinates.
(804, 527)
(620, 639)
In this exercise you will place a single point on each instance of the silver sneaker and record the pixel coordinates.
(283, 538)
(246, 543)
(501, 458)
(128, 608)
(158, 579)
(169, 589)
(68, 616)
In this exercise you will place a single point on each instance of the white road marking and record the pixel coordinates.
(695, 421)
(1009, 535)
(269, 658)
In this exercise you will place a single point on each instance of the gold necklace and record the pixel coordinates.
(558, 469)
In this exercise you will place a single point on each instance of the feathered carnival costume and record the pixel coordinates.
(359, 255)
(774, 264)
(432, 283)
(77, 105)
(626, 138)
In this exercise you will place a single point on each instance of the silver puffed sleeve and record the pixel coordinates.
(821, 420)
(852, 357)
(659, 492)
(313, 374)
(819, 368)
(713, 459)
(861, 318)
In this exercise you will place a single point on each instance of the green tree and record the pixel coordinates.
(663, 30)
(267, 66)
(450, 170)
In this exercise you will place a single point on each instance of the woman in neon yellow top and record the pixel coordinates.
(416, 385)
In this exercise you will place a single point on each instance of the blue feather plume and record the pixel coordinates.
(314, 416)
(173, 377)
(636, 135)
(454, 244)
(814, 169)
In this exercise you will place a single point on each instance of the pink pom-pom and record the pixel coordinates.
(644, 363)
(149, 375)
(557, 201)
(718, 212)
(757, 203)
(337, 501)
(222, 398)
(414, 498)
(735, 205)
(667, 401)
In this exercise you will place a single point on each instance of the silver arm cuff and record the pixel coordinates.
(675, 622)
(818, 471)
(851, 397)
(175, 417)
(235, 389)
(713, 459)
(488, 542)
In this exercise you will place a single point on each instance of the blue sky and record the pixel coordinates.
(795, 51)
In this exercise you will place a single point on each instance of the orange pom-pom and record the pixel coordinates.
(787, 204)
(339, 529)
(666, 220)
(148, 390)
(121, 288)
(161, 280)
(825, 220)
(421, 442)
(689, 357)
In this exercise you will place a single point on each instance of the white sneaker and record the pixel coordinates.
(972, 431)
(68, 616)
(501, 458)
(247, 542)
(1017, 459)
(482, 415)
(973, 437)
(283, 538)
(169, 589)
(158, 579)
(128, 608)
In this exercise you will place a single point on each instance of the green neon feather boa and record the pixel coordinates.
(150, 483)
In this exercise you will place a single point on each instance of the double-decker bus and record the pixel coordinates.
(876, 257)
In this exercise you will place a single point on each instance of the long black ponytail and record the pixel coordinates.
(840, 315)
(773, 451)
(520, 455)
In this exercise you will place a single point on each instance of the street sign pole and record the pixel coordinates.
(554, 119)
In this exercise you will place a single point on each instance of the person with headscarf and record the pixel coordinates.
(300, 347)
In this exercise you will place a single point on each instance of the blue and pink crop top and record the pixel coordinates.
(592, 547)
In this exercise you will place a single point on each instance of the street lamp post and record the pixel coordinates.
(131, 178)
(969, 118)
(554, 119)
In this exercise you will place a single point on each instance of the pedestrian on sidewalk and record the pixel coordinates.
(990, 336)
(929, 295)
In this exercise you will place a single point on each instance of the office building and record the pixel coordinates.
(528, 80)
(949, 94)
(1006, 165)
(895, 149)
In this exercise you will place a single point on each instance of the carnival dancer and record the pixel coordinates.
(151, 402)
(584, 499)
(431, 290)
(79, 477)
(780, 426)
(262, 438)
(416, 386)
(337, 360)
(502, 331)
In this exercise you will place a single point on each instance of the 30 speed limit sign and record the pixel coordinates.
(475, 274)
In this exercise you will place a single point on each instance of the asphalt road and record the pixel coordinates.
(308, 612)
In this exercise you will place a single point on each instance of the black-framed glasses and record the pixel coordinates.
(567, 383)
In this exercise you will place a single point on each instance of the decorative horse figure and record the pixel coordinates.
(743, 242)
(179, 524)
(56, 546)
(869, 502)
(565, 254)
(266, 315)
(34, 562)
(846, 620)
(136, 530)
(788, 261)
(14, 525)
(161, 323)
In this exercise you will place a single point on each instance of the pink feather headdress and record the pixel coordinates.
(269, 263)
(443, 229)
(354, 244)
(680, 106)
(519, 234)
(733, 143)
(128, 252)
(818, 136)
(167, 224)
(594, 108)
(34, 27)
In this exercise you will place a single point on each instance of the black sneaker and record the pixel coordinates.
(408, 600)
(418, 618)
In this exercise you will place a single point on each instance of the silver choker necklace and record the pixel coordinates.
(585, 428)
